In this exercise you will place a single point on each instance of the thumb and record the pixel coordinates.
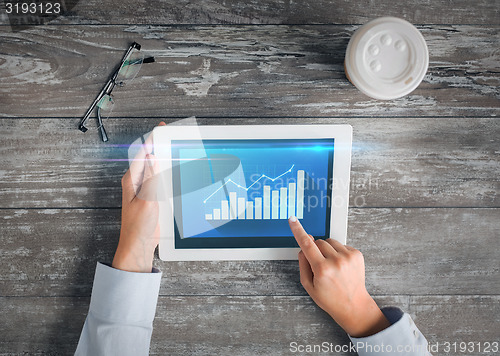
(150, 180)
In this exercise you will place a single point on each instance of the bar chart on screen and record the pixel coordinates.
(268, 203)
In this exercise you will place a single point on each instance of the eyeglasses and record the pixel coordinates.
(128, 69)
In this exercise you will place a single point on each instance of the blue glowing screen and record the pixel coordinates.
(240, 193)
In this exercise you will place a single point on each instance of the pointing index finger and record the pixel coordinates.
(306, 243)
(135, 175)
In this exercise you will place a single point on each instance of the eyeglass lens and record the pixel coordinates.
(128, 70)
(130, 67)
(106, 105)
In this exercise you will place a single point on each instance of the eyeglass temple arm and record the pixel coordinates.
(104, 135)
(106, 89)
(110, 84)
(102, 131)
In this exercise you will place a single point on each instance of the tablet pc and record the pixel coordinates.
(228, 191)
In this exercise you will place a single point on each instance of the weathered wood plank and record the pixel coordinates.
(241, 325)
(258, 325)
(407, 251)
(266, 74)
(221, 71)
(396, 162)
(458, 319)
(212, 325)
(267, 325)
(276, 12)
(4, 19)
(50, 325)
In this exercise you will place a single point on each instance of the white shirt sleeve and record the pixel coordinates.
(121, 313)
(401, 338)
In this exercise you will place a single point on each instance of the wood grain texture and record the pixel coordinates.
(53, 252)
(424, 191)
(233, 325)
(243, 71)
(277, 12)
(267, 325)
(457, 319)
(397, 162)
(214, 325)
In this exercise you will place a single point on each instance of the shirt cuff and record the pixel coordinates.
(401, 338)
(124, 297)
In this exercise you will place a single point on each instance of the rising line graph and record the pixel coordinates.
(251, 185)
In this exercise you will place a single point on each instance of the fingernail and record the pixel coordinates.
(293, 218)
(150, 160)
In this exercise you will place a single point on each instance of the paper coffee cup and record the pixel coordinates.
(386, 58)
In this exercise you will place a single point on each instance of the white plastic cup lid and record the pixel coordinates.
(386, 58)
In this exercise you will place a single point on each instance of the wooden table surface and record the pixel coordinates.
(425, 202)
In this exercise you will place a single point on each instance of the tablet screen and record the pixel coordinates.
(240, 193)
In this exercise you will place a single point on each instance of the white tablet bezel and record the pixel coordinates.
(163, 135)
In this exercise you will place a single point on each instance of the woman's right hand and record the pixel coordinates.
(334, 276)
